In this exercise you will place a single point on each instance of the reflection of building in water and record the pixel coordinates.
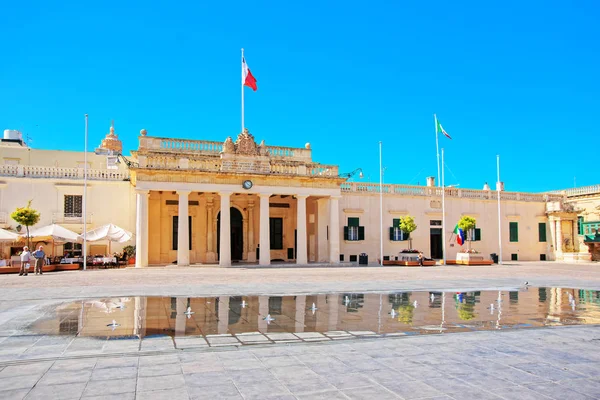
(413, 311)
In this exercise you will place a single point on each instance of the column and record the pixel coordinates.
(322, 221)
(300, 313)
(553, 249)
(139, 316)
(141, 227)
(183, 230)
(334, 230)
(575, 236)
(263, 311)
(334, 307)
(251, 245)
(210, 243)
(180, 317)
(225, 246)
(223, 324)
(302, 250)
(265, 238)
(559, 236)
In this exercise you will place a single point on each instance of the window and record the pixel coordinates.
(353, 231)
(542, 231)
(175, 245)
(514, 231)
(580, 225)
(353, 258)
(276, 233)
(396, 233)
(542, 257)
(75, 249)
(435, 222)
(73, 206)
(474, 235)
(514, 257)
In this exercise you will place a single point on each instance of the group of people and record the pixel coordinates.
(26, 257)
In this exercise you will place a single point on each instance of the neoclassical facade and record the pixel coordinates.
(195, 202)
(209, 202)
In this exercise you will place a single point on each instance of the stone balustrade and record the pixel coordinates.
(409, 190)
(579, 191)
(34, 171)
(206, 147)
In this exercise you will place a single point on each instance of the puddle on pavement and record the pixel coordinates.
(339, 315)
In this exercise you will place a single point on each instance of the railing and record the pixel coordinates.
(580, 191)
(408, 190)
(322, 170)
(158, 144)
(70, 218)
(290, 152)
(32, 171)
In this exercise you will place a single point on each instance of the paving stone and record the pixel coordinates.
(309, 335)
(54, 377)
(74, 365)
(117, 362)
(281, 336)
(18, 382)
(251, 339)
(29, 369)
(519, 392)
(114, 386)
(148, 384)
(556, 391)
(57, 392)
(280, 361)
(119, 396)
(223, 341)
(159, 370)
(411, 389)
(17, 394)
(99, 374)
(370, 393)
(590, 387)
(262, 390)
(204, 379)
(330, 395)
(169, 394)
(221, 391)
(158, 360)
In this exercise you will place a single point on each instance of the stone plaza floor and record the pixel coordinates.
(538, 363)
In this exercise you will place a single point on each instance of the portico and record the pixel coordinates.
(253, 209)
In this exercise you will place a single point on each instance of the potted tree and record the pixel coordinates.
(26, 216)
(468, 256)
(130, 253)
(407, 226)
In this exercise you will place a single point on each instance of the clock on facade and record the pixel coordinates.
(247, 185)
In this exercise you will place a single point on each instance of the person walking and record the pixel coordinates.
(40, 257)
(25, 258)
(420, 257)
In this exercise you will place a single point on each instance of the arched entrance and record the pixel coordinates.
(237, 234)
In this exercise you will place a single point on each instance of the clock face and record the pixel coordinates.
(247, 184)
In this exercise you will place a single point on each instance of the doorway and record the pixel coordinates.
(436, 243)
(237, 235)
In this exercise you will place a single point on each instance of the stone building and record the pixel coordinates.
(204, 202)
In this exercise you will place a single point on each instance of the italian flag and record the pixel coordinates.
(440, 129)
(460, 235)
(247, 78)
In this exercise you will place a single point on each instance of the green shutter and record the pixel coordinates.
(542, 231)
(345, 233)
(514, 231)
(391, 233)
(353, 222)
(361, 232)
(580, 225)
(477, 234)
(396, 222)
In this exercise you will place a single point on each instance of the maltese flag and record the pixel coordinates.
(247, 78)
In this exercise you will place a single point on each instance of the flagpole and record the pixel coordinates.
(498, 187)
(242, 89)
(85, 167)
(380, 207)
(443, 210)
(437, 147)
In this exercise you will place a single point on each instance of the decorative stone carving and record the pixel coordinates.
(245, 144)
(262, 149)
(229, 146)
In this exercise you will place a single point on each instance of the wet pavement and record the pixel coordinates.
(57, 339)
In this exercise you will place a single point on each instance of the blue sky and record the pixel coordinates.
(517, 79)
